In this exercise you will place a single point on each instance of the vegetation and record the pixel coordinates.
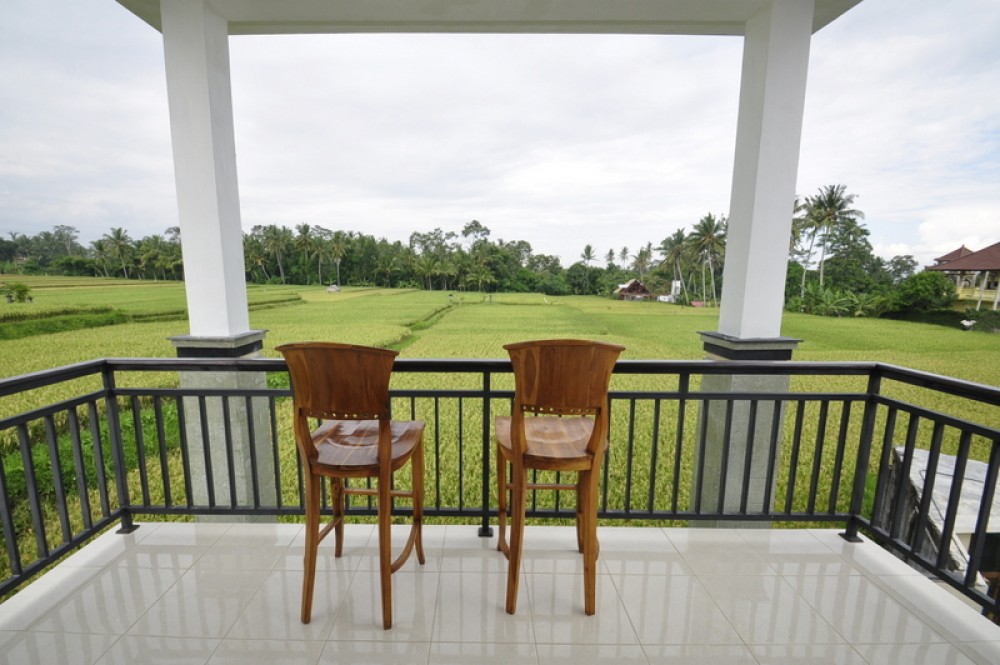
(421, 323)
(832, 272)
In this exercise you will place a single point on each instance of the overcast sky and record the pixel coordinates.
(557, 140)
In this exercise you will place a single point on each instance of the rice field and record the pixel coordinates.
(435, 324)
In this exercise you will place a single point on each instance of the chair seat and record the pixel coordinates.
(350, 446)
(559, 440)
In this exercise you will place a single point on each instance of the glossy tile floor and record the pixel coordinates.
(229, 593)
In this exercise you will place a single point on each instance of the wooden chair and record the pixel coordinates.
(559, 422)
(347, 387)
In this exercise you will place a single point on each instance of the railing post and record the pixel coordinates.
(485, 530)
(117, 451)
(864, 457)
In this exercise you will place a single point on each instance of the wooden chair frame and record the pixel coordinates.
(559, 422)
(347, 387)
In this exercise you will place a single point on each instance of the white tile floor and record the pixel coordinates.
(229, 593)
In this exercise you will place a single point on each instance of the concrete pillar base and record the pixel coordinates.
(753, 450)
(249, 433)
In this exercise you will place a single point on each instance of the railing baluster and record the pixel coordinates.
(793, 462)
(684, 389)
(748, 456)
(653, 458)
(629, 455)
(252, 437)
(73, 422)
(727, 444)
(227, 430)
(31, 489)
(97, 444)
(928, 489)
(7, 520)
(838, 463)
(206, 449)
(864, 458)
(140, 448)
(185, 452)
(58, 487)
(772, 457)
(824, 409)
(954, 499)
(983, 516)
(884, 464)
(903, 479)
(161, 444)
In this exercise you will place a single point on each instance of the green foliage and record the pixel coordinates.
(924, 292)
(17, 291)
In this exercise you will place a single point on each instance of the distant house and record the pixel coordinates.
(976, 274)
(633, 290)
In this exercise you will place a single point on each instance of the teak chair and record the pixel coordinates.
(347, 387)
(559, 422)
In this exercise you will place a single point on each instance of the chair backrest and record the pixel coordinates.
(339, 381)
(562, 376)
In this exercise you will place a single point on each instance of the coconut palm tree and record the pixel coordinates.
(673, 250)
(826, 210)
(708, 240)
(119, 246)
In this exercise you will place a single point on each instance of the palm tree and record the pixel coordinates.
(826, 211)
(275, 238)
(338, 250)
(305, 242)
(119, 246)
(708, 240)
(610, 258)
(642, 260)
(623, 256)
(673, 249)
(588, 258)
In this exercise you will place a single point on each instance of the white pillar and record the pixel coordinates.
(772, 96)
(196, 50)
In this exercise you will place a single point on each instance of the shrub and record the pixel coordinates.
(924, 292)
(17, 291)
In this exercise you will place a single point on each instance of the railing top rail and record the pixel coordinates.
(977, 391)
(47, 377)
(980, 392)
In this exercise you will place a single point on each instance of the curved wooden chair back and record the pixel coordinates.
(565, 377)
(339, 381)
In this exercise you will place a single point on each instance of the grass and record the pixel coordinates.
(423, 324)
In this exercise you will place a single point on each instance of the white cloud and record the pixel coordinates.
(558, 140)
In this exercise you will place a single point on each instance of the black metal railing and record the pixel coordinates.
(907, 457)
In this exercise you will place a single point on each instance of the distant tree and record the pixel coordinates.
(924, 292)
(827, 210)
(901, 267)
(119, 246)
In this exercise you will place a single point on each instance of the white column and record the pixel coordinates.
(196, 48)
(772, 96)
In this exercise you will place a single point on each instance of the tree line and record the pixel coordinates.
(832, 268)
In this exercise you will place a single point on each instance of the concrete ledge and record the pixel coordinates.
(720, 346)
(235, 346)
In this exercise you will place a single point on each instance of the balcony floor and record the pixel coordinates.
(229, 593)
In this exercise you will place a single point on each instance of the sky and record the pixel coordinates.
(562, 141)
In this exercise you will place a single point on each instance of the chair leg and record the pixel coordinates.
(587, 498)
(579, 512)
(385, 545)
(518, 501)
(337, 504)
(501, 503)
(417, 466)
(312, 545)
